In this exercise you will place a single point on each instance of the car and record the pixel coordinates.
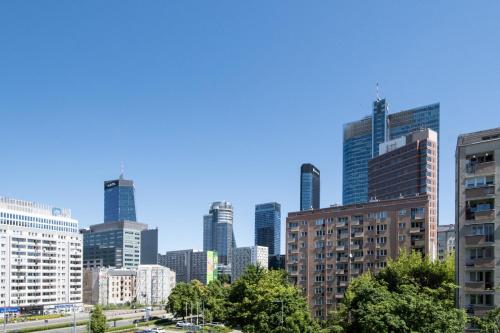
(157, 330)
(181, 324)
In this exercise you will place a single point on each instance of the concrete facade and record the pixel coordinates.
(246, 256)
(109, 286)
(477, 220)
(446, 241)
(154, 284)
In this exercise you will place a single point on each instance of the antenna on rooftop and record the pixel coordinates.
(378, 97)
(122, 169)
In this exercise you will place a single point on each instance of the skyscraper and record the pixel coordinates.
(309, 187)
(149, 247)
(477, 197)
(267, 226)
(218, 232)
(362, 139)
(119, 201)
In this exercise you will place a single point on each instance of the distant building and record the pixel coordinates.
(268, 226)
(119, 200)
(41, 258)
(109, 286)
(362, 139)
(191, 265)
(113, 244)
(446, 241)
(218, 233)
(149, 247)
(277, 262)
(246, 256)
(154, 284)
(476, 221)
(309, 187)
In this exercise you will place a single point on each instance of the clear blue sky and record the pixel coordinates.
(223, 100)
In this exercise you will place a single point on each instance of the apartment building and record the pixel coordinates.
(477, 220)
(191, 265)
(154, 284)
(446, 241)
(109, 286)
(40, 258)
(246, 256)
(326, 248)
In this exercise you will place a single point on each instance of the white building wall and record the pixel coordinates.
(154, 284)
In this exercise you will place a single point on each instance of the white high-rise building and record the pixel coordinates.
(154, 284)
(40, 258)
(246, 256)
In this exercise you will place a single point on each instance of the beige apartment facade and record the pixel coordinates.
(109, 286)
(327, 248)
(477, 220)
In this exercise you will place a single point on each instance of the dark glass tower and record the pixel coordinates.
(267, 226)
(309, 187)
(119, 201)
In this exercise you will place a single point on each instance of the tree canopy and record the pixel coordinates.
(412, 294)
(98, 320)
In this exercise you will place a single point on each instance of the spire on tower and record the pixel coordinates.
(122, 169)
(378, 97)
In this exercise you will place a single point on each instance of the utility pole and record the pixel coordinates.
(203, 310)
(197, 313)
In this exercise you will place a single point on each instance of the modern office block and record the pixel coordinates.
(477, 220)
(154, 284)
(113, 244)
(362, 140)
(277, 262)
(446, 241)
(119, 200)
(327, 248)
(40, 258)
(246, 256)
(309, 187)
(149, 247)
(268, 226)
(109, 286)
(191, 265)
(218, 232)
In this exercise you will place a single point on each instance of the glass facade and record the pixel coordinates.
(309, 187)
(218, 232)
(267, 226)
(362, 139)
(119, 201)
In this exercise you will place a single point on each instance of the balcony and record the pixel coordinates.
(416, 230)
(478, 286)
(480, 263)
(477, 240)
(343, 235)
(340, 224)
(340, 271)
(359, 234)
(355, 246)
(342, 284)
(480, 168)
(342, 259)
(355, 271)
(418, 243)
(340, 248)
(339, 295)
(356, 222)
(480, 192)
(359, 258)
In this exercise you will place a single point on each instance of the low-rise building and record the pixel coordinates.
(109, 286)
(154, 284)
(246, 256)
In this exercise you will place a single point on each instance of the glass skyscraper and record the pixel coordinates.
(267, 226)
(119, 201)
(362, 139)
(309, 187)
(218, 232)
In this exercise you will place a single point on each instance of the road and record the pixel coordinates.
(130, 315)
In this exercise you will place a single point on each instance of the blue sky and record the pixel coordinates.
(223, 100)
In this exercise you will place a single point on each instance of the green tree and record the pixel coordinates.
(490, 323)
(258, 298)
(98, 320)
(186, 296)
(412, 294)
(215, 301)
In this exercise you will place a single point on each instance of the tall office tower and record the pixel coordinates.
(149, 247)
(326, 248)
(218, 232)
(119, 201)
(246, 256)
(191, 265)
(268, 226)
(40, 257)
(477, 205)
(446, 241)
(363, 137)
(113, 244)
(309, 187)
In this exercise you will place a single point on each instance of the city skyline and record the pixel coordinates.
(230, 124)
